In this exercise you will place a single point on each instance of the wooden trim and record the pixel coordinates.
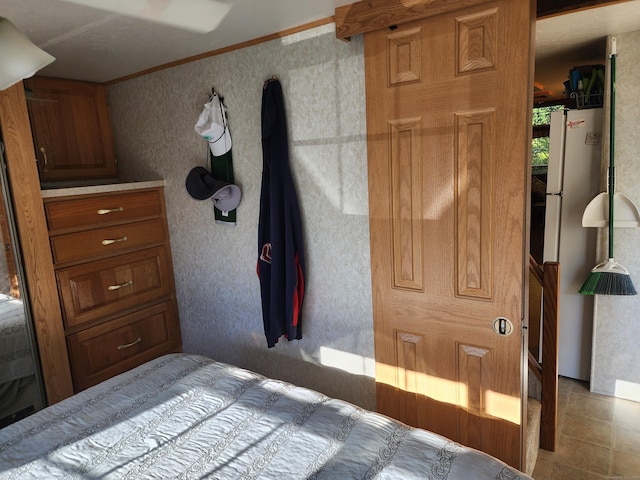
(34, 241)
(231, 48)
(370, 15)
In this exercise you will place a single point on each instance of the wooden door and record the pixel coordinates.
(448, 119)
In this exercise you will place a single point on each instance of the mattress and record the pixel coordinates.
(186, 416)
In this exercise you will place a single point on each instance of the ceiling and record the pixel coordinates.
(96, 45)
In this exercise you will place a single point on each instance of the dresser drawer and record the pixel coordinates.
(101, 352)
(95, 212)
(106, 241)
(94, 290)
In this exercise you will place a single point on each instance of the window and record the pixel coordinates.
(540, 142)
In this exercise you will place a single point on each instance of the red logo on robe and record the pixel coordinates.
(265, 256)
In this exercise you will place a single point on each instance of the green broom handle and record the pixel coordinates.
(612, 127)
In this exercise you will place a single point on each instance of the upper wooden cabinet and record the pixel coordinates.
(71, 129)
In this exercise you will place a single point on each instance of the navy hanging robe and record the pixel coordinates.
(281, 266)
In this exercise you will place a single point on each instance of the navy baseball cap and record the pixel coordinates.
(201, 185)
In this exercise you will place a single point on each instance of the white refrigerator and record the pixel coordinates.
(573, 180)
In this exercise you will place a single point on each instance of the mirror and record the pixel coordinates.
(21, 391)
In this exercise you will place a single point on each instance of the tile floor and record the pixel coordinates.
(598, 437)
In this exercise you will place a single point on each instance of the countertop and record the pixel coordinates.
(112, 187)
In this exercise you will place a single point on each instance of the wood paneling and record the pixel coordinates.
(474, 203)
(474, 367)
(477, 41)
(406, 192)
(405, 56)
(34, 241)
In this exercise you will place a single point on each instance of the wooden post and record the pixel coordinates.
(549, 417)
(34, 241)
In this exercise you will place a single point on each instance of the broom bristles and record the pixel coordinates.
(590, 284)
(606, 283)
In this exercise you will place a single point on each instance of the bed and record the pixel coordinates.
(186, 416)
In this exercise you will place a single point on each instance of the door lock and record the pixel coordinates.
(502, 326)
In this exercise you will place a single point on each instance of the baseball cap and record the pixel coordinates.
(201, 185)
(212, 125)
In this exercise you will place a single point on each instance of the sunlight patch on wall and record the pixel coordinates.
(627, 390)
(329, 157)
(332, 169)
(349, 362)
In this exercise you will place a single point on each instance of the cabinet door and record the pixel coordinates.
(71, 130)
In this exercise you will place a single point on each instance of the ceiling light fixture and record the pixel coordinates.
(196, 15)
(19, 57)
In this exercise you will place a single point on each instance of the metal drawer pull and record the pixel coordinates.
(104, 211)
(118, 287)
(115, 240)
(127, 345)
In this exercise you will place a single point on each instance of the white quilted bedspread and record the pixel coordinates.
(184, 416)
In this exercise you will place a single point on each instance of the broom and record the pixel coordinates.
(609, 277)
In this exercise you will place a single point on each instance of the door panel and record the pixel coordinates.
(448, 118)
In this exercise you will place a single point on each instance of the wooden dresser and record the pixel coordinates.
(114, 273)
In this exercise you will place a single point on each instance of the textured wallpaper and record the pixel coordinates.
(215, 265)
(616, 358)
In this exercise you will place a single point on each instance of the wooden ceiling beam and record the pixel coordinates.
(370, 15)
